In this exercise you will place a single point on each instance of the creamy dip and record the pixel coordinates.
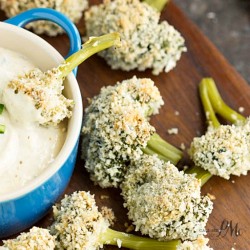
(26, 148)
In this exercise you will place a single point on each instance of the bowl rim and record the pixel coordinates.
(74, 123)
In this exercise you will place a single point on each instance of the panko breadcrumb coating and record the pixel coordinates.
(199, 244)
(45, 91)
(35, 239)
(224, 150)
(78, 223)
(71, 8)
(163, 202)
(146, 42)
(115, 128)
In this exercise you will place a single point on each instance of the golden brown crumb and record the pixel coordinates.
(103, 197)
(211, 196)
(130, 228)
(108, 214)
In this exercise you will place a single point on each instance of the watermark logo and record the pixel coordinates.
(229, 227)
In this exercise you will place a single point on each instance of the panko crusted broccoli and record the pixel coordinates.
(225, 149)
(79, 225)
(36, 239)
(43, 91)
(146, 42)
(116, 130)
(163, 202)
(71, 8)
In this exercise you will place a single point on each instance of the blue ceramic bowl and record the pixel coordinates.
(22, 208)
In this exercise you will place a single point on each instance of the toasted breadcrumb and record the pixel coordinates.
(211, 196)
(45, 90)
(241, 109)
(108, 214)
(163, 202)
(199, 244)
(35, 239)
(182, 146)
(173, 131)
(224, 150)
(78, 223)
(103, 197)
(71, 8)
(116, 128)
(146, 42)
(129, 228)
(119, 243)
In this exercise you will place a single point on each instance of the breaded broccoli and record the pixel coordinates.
(36, 239)
(42, 92)
(71, 8)
(79, 225)
(146, 42)
(163, 202)
(116, 130)
(225, 149)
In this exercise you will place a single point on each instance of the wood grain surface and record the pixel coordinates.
(180, 93)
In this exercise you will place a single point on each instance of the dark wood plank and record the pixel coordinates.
(179, 90)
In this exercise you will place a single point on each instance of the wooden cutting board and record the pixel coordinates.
(180, 93)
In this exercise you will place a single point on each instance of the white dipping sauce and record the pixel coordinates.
(26, 148)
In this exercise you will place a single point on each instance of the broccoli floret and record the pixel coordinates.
(163, 202)
(116, 130)
(72, 9)
(146, 42)
(224, 149)
(79, 225)
(35, 239)
(43, 91)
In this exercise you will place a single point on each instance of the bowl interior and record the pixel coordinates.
(44, 56)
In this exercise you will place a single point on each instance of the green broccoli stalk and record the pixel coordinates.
(218, 105)
(131, 241)
(37, 87)
(222, 149)
(157, 4)
(163, 149)
(92, 46)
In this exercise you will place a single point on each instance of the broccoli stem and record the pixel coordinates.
(112, 237)
(219, 106)
(164, 150)
(92, 46)
(207, 105)
(157, 4)
(200, 173)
